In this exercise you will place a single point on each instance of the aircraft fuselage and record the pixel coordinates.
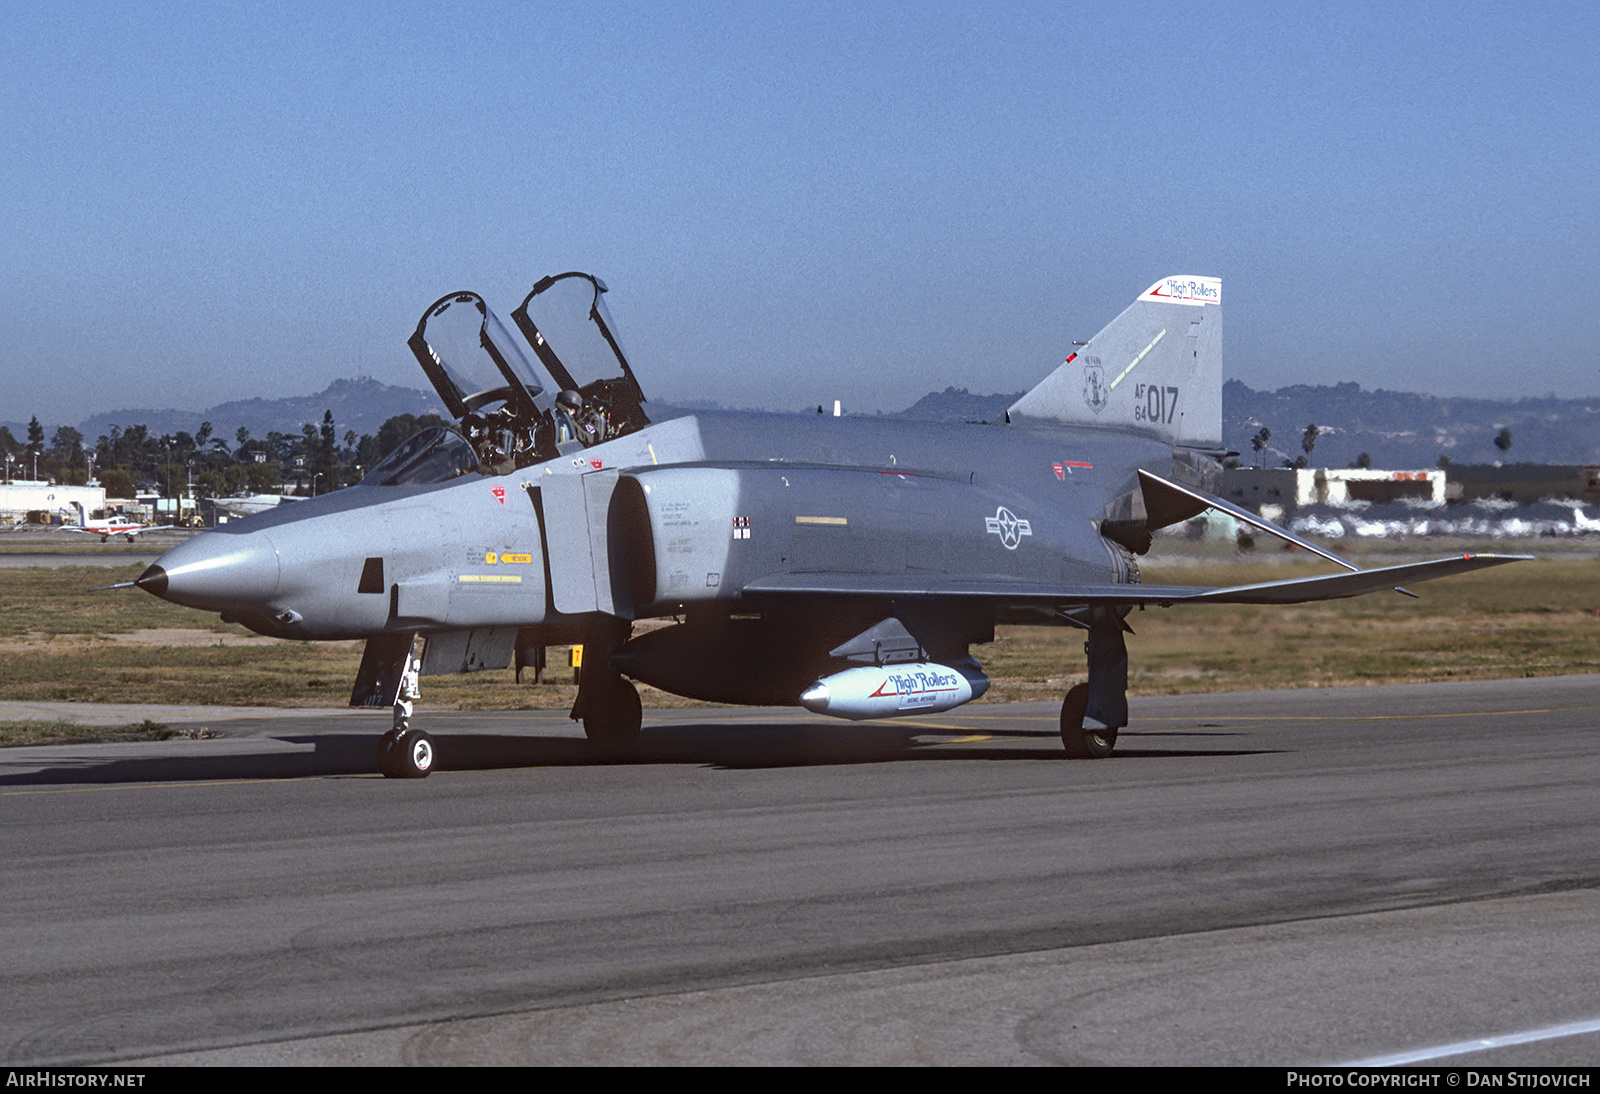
(715, 509)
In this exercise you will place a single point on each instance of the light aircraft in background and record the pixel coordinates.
(847, 565)
(105, 529)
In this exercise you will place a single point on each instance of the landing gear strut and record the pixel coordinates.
(403, 752)
(1105, 697)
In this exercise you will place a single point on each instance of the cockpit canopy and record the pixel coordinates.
(429, 456)
(502, 384)
(566, 322)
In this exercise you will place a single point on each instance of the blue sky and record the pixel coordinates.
(794, 203)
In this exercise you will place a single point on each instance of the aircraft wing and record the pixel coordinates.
(107, 532)
(1298, 590)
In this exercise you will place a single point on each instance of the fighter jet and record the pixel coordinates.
(847, 565)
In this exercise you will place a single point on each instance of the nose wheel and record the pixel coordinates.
(405, 754)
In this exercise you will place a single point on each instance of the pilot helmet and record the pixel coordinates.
(570, 400)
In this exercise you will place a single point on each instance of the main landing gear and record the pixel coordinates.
(607, 704)
(1105, 697)
(613, 715)
(1081, 743)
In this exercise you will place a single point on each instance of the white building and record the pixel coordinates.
(1343, 485)
(20, 497)
(1288, 488)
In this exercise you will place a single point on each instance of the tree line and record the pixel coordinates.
(127, 459)
(1308, 443)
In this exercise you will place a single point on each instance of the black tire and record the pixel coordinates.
(386, 755)
(1080, 743)
(406, 755)
(614, 716)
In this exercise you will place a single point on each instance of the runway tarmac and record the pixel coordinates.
(1322, 876)
(22, 560)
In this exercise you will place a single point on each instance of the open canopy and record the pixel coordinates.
(523, 395)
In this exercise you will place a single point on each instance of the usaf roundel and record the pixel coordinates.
(1008, 527)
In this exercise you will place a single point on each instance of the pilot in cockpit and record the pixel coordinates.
(575, 422)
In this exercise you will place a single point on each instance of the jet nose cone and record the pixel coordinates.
(216, 572)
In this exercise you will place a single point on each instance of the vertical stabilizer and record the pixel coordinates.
(1155, 369)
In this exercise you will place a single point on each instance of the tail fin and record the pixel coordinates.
(1155, 369)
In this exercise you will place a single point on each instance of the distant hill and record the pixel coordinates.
(1405, 429)
(361, 405)
(957, 404)
(1397, 429)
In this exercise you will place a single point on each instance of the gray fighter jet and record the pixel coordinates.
(847, 565)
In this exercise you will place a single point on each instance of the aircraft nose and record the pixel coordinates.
(215, 572)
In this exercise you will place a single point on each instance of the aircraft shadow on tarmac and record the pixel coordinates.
(709, 744)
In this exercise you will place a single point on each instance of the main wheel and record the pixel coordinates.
(405, 755)
(613, 716)
(1083, 744)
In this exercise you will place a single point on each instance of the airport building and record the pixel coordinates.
(1523, 483)
(48, 502)
(1292, 488)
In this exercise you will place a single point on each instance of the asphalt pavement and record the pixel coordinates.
(1300, 877)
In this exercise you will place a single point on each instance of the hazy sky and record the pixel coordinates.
(795, 202)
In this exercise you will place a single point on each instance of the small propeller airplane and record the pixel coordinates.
(847, 565)
(105, 529)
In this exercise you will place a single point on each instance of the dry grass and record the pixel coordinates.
(41, 731)
(59, 641)
(1539, 618)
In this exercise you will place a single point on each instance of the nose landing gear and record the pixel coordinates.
(405, 753)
